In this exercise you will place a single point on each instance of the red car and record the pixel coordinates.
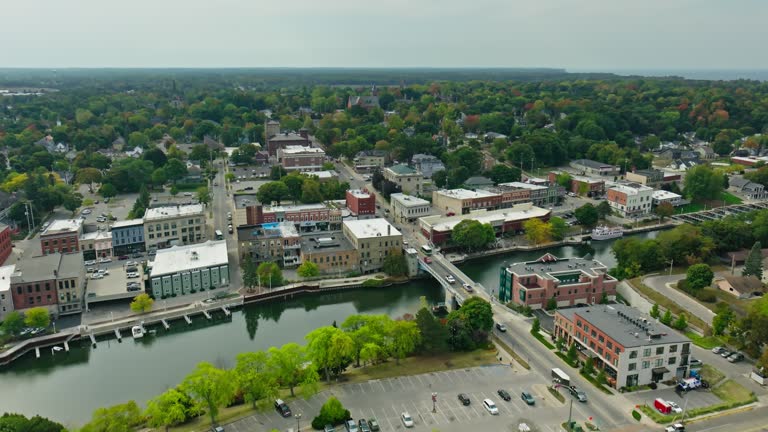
(427, 260)
(122, 257)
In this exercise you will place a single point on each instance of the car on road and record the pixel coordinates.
(329, 428)
(427, 260)
(406, 419)
(464, 399)
(282, 408)
(718, 350)
(96, 276)
(131, 264)
(677, 427)
(90, 270)
(725, 353)
(104, 272)
(90, 262)
(363, 424)
(527, 398)
(501, 327)
(467, 287)
(675, 407)
(450, 279)
(217, 429)
(187, 194)
(101, 219)
(85, 212)
(374, 425)
(122, 258)
(504, 394)
(105, 260)
(736, 357)
(132, 275)
(577, 393)
(351, 426)
(490, 407)
(694, 362)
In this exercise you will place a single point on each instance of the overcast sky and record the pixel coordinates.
(574, 34)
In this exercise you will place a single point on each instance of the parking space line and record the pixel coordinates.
(382, 385)
(413, 382)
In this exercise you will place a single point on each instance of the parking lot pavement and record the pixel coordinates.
(696, 398)
(386, 399)
(546, 320)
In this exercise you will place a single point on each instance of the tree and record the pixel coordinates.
(170, 408)
(564, 179)
(603, 209)
(37, 317)
(175, 169)
(558, 228)
(537, 231)
(209, 386)
(536, 326)
(666, 319)
(702, 183)
(472, 234)
(330, 349)
(255, 379)
(107, 190)
(19, 423)
(403, 338)
(203, 195)
(654, 313)
(13, 323)
(270, 273)
(434, 335)
(250, 274)
(722, 320)
(503, 174)
(572, 355)
(308, 269)
(664, 210)
(588, 368)
(72, 201)
(118, 418)
(587, 215)
(275, 191)
(142, 303)
(681, 323)
(156, 156)
(310, 191)
(698, 276)
(395, 265)
(551, 304)
(294, 181)
(277, 172)
(287, 365)
(158, 177)
(174, 190)
(88, 176)
(753, 266)
(332, 412)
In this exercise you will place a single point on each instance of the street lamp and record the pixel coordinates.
(298, 420)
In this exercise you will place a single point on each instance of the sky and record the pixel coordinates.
(572, 34)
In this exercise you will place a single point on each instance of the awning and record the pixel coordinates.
(660, 370)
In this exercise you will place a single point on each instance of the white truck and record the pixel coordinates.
(560, 377)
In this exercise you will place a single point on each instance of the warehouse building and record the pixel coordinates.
(188, 269)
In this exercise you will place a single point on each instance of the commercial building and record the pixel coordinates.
(285, 139)
(306, 217)
(632, 348)
(591, 167)
(374, 240)
(62, 236)
(6, 246)
(361, 202)
(409, 180)
(174, 225)
(660, 196)
(96, 244)
(128, 237)
(462, 201)
(270, 242)
(6, 297)
(427, 164)
(55, 281)
(368, 160)
(438, 228)
(478, 182)
(188, 269)
(332, 252)
(539, 194)
(648, 177)
(630, 199)
(408, 208)
(581, 185)
(301, 158)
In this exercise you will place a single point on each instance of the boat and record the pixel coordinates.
(607, 233)
(137, 332)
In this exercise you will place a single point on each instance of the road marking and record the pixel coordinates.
(448, 376)
(413, 382)
(382, 386)
(419, 378)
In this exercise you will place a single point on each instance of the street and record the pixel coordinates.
(221, 203)
(659, 283)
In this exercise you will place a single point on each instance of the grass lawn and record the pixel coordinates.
(421, 365)
(730, 198)
(706, 342)
(733, 392)
(665, 302)
(711, 375)
(690, 208)
(511, 352)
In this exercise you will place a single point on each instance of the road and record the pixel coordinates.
(660, 284)
(750, 421)
(221, 203)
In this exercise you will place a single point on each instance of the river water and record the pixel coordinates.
(67, 387)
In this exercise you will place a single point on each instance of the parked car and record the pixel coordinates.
(490, 407)
(96, 276)
(464, 399)
(427, 260)
(105, 260)
(90, 270)
(122, 257)
(718, 349)
(374, 425)
(351, 426)
(694, 362)
(736, 357)
(101, 219)
(282, 408)
(90, 262)
(187, 194)
(103, 272)
(86, 211)
(132, 275)
(501, 327)
(725, 353)
(363, 424)
(406, 419)
(677, 427)
(675, 407)
(217, 429)
(527, 398)
(329, 428)
(504, 394)
(131, 264)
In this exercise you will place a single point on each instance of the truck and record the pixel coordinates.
(560, 377)
(689, 384)
(662, 406)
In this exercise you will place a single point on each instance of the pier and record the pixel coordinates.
(207, 314)
(188, 319)
(117, 335)
(93, 339)
(226, 311)
(37, 352)
(165, 323)
(66, 346)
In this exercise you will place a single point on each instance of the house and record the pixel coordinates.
(478, 182)
(591, 167)
(705, 152)
(365, 102)
(212, 144)
(427, 164)
(135, 153)
(749, 189)
(368, 160)
(743, 287)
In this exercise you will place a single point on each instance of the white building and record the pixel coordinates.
(188, 269)
(374, 239)
(6, 298)
(409, 180)
(174, 225)
(660, 196)
(630, 199)
(408, 208)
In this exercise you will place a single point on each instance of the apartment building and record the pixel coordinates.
(630, 199)
(374, 240)
(128, 237)
(462, 201)
(55, 281)
(301, 158)
(6, 295)
(361, 202)
(408, 208)
(306, 217)
(632, 348)
(409, 180)
(6, 246)
(181, 270)
(270, 242)
(174, 225)
(332, 252)
(62, 236)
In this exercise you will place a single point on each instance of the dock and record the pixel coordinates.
(226, 311)
(37, 352)
(207, 314)
(93, 339)
(117, 335)
(188, 319)
(66, 346)
(165, 324)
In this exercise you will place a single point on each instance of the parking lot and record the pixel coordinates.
(113, 285)
(386, 399)
(696, 398)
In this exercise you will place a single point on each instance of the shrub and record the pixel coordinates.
(373, 283)
(636, 415)
(332, 412)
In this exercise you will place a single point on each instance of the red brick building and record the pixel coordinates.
(5, 243)
(307, 217)
(62, 236)
(361, 202)
(301, 158)
(55, 281)
(285, 139)
(581, 185)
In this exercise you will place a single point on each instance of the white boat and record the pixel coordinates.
(607, 233)
(137, 332)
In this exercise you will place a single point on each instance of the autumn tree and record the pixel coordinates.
(537, 231)
(664, 210)
(142, 303)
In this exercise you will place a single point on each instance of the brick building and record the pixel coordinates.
(567, 280)
(285, 139)
(580, 185)
(301, 158)
(408, 208)
(630, 199)
(591, 167)
(333, 253)
(462, 201)
(55, 281)
(374, 240)
(62, 236)
(361, 202)
(306, 217)
(6, 246)
(274, 242)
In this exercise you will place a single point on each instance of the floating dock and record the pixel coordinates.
(93, 339)
(37, 352)
(117, 335)
(165, 324)
(188, 319)
(66, 346)
(207, 314)
(226, 311)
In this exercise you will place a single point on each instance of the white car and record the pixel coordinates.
(131, 264)
(407, 419)
(105, 260)
(90, 262)
(188, 194)
(450, 279)
(675, 407)
(490, 407)
(85, 212)
(101, 219)
(132, 275)
(97, 276)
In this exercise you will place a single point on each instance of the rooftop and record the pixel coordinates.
(627, 326)
(5, 277)
(61, 226)
(521, 185)
(288, 136)
(408, 200)
(357, 193)
(324, 175)
(272, 229)
(173, 211)
(630, 188)
(127, 223)
(549, 267)
(48, 267)
(665, 195)
(295, 208)
(368, 228)
(745, 284)
(517, 212)
(297, 149)
(478, 180)
(327, 242)
(593, 164)
(402, 170)
(96, 235)
(180, 258)
(465, 193)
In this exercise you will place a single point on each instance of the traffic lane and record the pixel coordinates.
(750, 421)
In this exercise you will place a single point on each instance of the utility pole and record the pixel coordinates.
(671, 263)
(570, 411)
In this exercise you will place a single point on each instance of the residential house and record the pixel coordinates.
(427, 164)
(748, 189)
(478, 182)
(743, 287)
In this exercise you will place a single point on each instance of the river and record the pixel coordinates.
(67, 387)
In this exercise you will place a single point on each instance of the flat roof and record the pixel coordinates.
(465, 193)
(173, 211)
(548, 266)
(267, 230)
(295, 208)
(287, 136)
(367, 228)
(295, 149)
(5, 276)
(127, 223)
(402, 170)
(593, 164)
(326, 242)
(408, 200)
(662, 194)
(626, 325)
(96, 235)
(357, 193)
(60, 226)
(39, 268)
(181, 258)
(523, 211)
(522, 185)
(630, 188)
(323, 175)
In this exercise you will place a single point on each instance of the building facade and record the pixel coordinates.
(630, 199)
(408, 208)
(6, 295)
(539, 194)
(62, 236)
(174, 225)
(368, 160)
(591, 167)
(566, 281)
(361, 202)
(662, 196)
(374, 240)
(96, 244)
(128, 237)
(301, 158)
(409, 180)
(332, 253)
(182, 270)
(270, 242)
(55, 281)
(306, 217)
(462, 201)
(6, 246)
(649, 177)
(427, 164)
(632, 348)
(285, 139)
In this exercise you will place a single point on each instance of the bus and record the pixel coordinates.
(426, 249)
(219, 235)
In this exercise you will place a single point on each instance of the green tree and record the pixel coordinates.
(210, 387)
(666, 319)
(273, 191)
(158, 177)
(664, 210)
(572, 355)
(702, 183)
(681, 323)
(722, 320)
(37, 317)
(174, 190)
(753, 266)
(329, 349)
(564, 180)
(698, 276)
(13, 323)
(654, 313)
(277, 172)
(537, 231)
(19, 423)
(250, 274)
(310, 191)
(434, 335)
(332, 412)
(72, 201)
(203, 195)
(288, 365)
(536, 326)
(587, 215)
(118, 418)
(403, 338)
(142, 303)
(168, 409)
(472, 234)
(294, 181)
(308, 269)
(88, 176)
(270, 274)
(503, 174)
(603, 209)
(107, 190)
(558, 228)
(551, 304)
(175, 170)
(588, 368)
(255, 378)
(395, 265)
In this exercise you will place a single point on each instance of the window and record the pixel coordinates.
(632, 366)
(660, 350)
(633, 354)
(601, 339)
(609, 345)
(594, 333)
(646, 364)
(672, 360)
(659, 362)
(646, 352)
(673, 348)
